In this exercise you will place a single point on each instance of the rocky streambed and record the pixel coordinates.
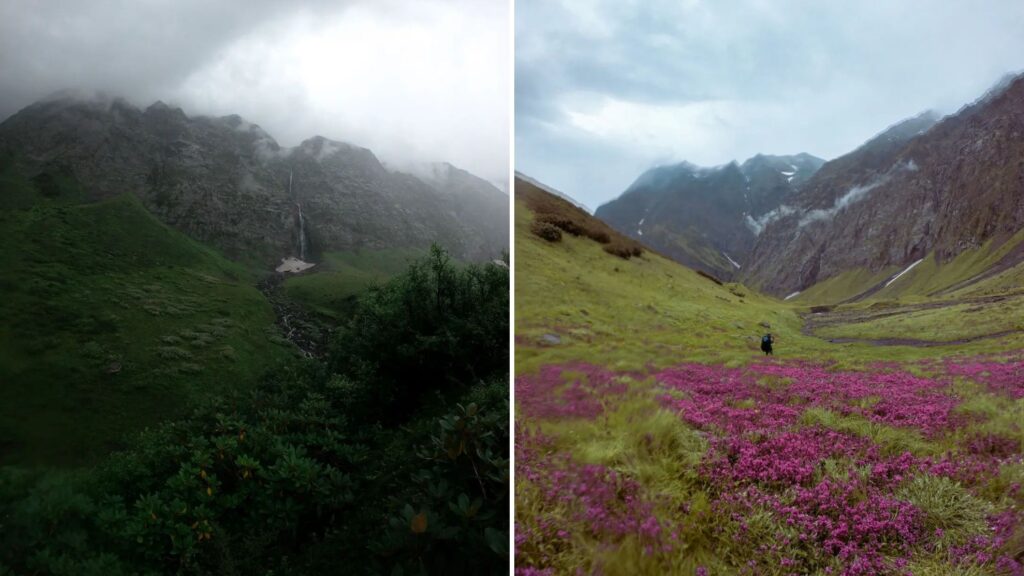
(296, 324)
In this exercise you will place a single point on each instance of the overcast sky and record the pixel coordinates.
(416, 81)
(606, 89)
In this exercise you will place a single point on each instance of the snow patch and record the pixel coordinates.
(793, 295)
(905, 270)
(731, 261)
(292, 265)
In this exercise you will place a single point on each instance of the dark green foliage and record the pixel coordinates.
(436, 328)
(294, 475)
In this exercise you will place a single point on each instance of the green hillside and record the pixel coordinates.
(112, 321)
(331, 287)
(972, 297)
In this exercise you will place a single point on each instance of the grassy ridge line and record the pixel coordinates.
(113, 321)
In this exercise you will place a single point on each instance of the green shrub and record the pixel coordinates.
(437, 328)
(547, 231)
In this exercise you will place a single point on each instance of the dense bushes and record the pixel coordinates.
(437, 328)
(547, 231)
(312, 470)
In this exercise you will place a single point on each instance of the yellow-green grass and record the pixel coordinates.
(919, 284)
(628, 314)
(1009, 281)
(112, 322)
(331, 287)
(842, 286)
(944, 324)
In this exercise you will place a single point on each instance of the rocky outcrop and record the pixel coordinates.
(225, 182)
(925, 185)
(707, 218)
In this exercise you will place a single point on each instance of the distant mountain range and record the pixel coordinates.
(925, 186)
(708, 218)
(226, 182)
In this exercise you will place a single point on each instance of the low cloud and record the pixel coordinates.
(757, 225)
(855, 194)
(414, 81)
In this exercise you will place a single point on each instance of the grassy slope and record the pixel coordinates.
(649, 312)
(961, 314)
(917, 285)
(627, 314)
(331, 286)
(112, 321)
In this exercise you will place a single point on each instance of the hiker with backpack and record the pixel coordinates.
(766, 343)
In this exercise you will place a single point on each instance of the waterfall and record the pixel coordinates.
(303, 241)
(302, 234)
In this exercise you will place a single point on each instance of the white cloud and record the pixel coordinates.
(607, 91)
(414, 81)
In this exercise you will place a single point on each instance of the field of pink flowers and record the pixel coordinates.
(805, 469)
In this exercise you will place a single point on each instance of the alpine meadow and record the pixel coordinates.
(751, 359)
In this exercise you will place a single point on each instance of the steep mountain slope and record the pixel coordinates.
(707, 218)
(112, 321)
(919, 190)
(226, 182)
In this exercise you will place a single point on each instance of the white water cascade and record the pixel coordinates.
(291, 264)
(303, 241)
(302, 234)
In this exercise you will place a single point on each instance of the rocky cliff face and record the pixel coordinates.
(922, 186)
(707, 218)
(226, 182)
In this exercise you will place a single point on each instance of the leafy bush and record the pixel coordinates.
(437, 328)
(562, 222)
(624, 250)
(547, 231)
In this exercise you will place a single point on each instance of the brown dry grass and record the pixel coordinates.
(550, 211)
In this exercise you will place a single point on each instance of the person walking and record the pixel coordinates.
(766, 344)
